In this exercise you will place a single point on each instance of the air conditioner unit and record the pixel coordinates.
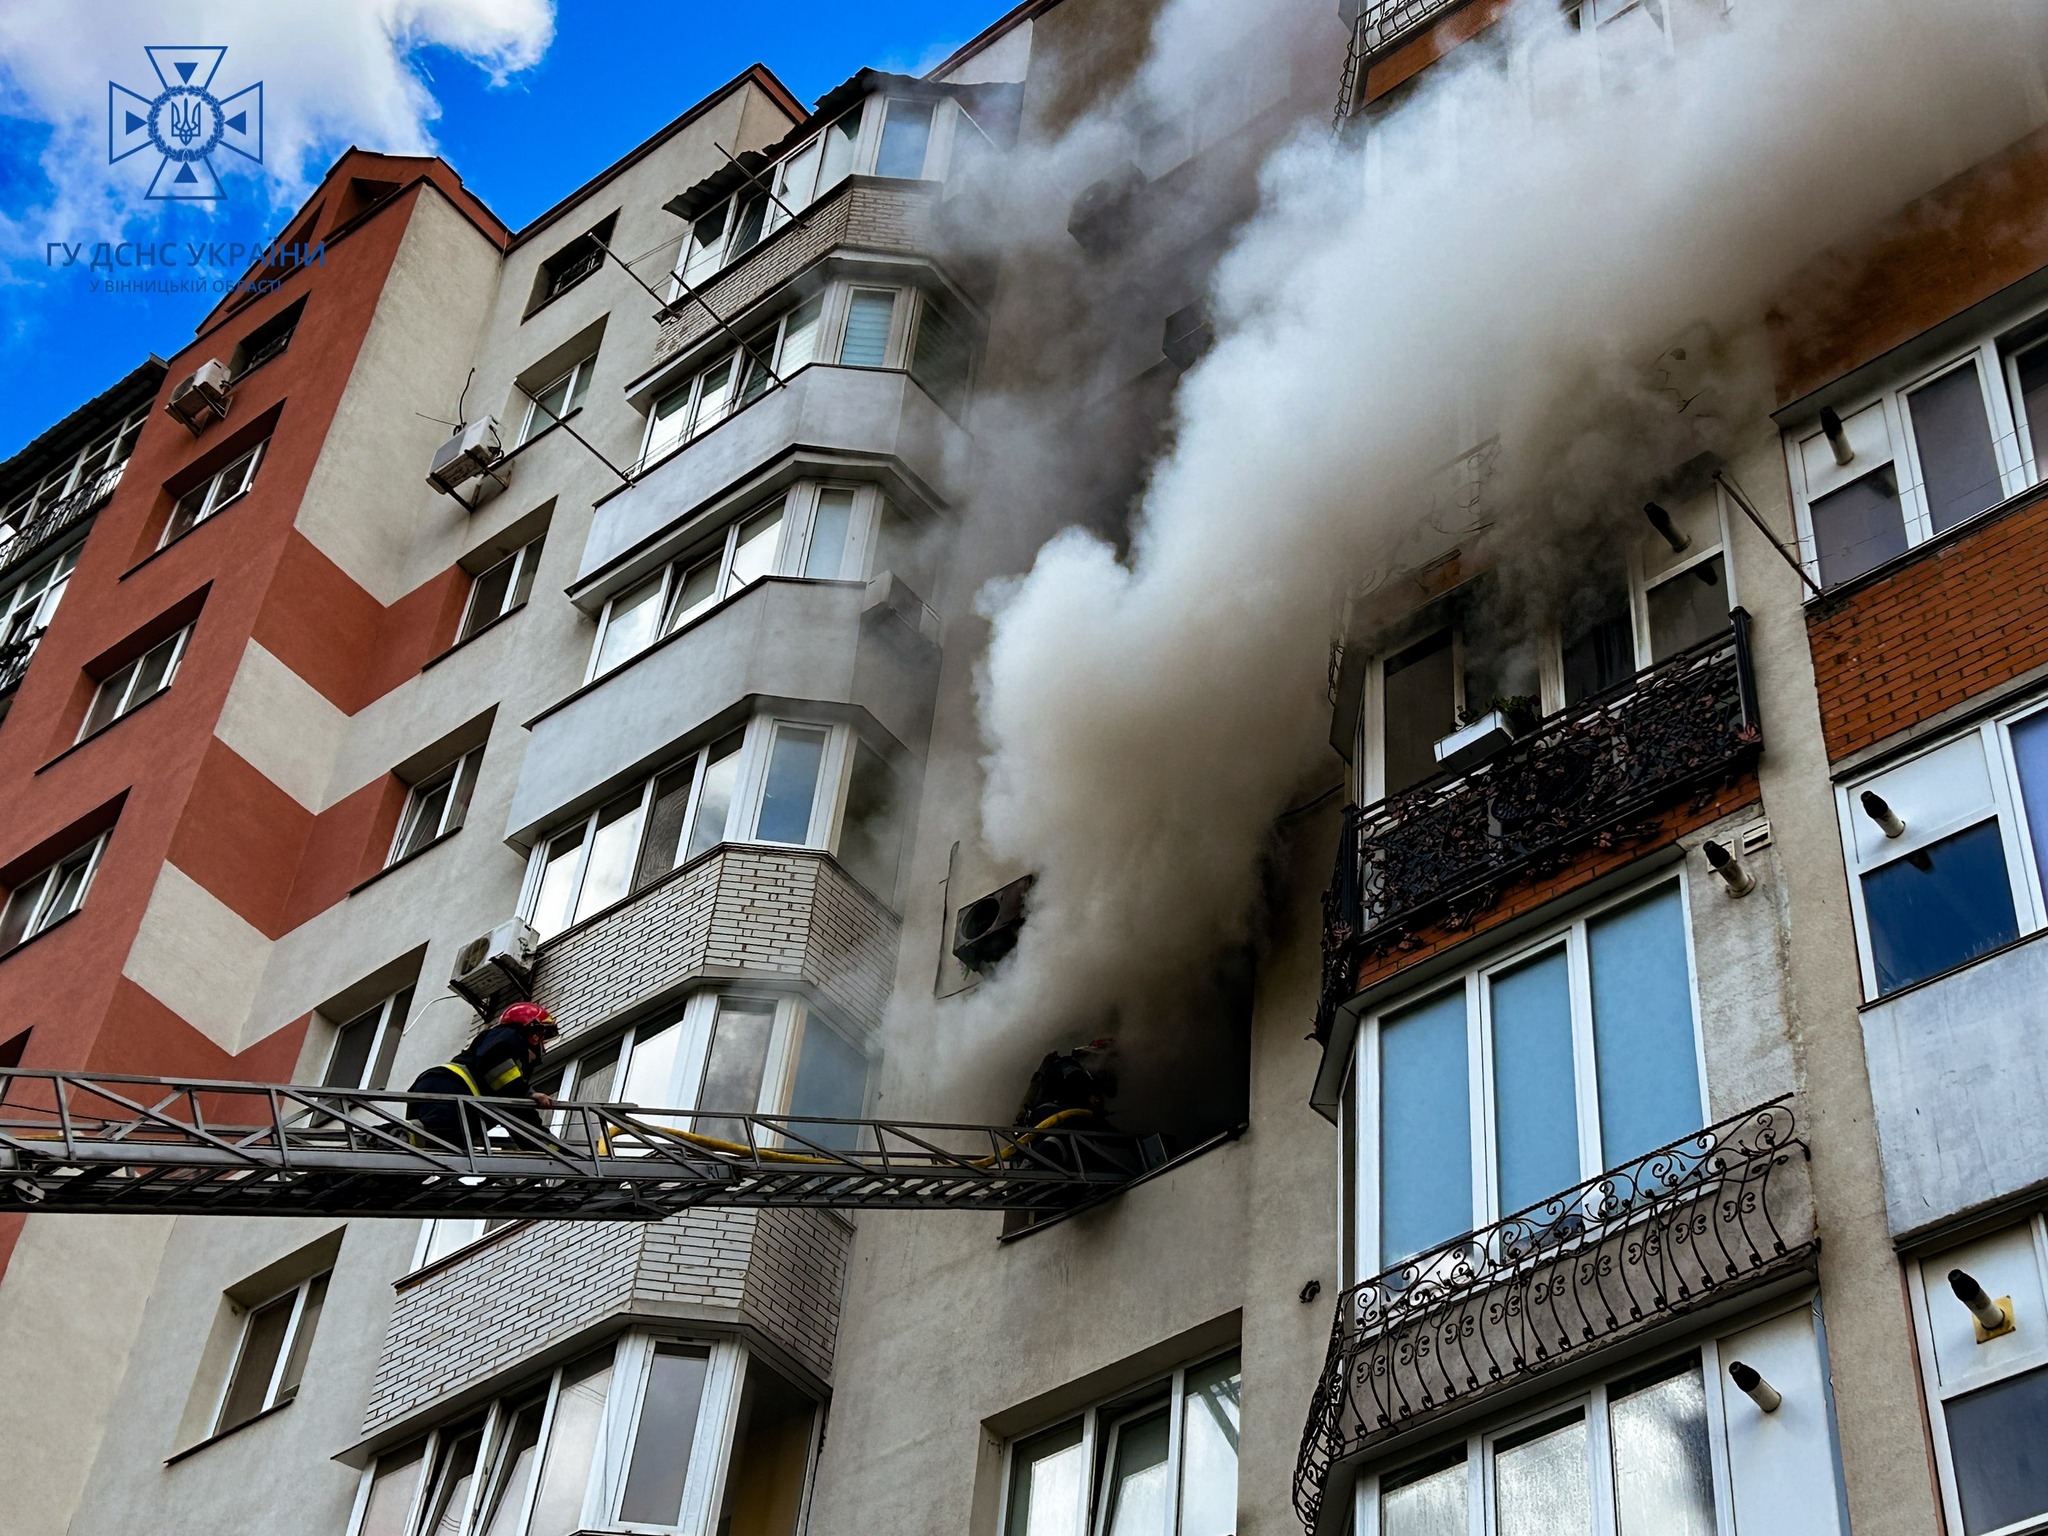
(199, 401)
(472, 451)
(498, 967)
(986, 930)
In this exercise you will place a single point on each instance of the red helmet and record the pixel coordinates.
(531, 1017)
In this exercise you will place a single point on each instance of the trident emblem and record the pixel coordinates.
(185, 122)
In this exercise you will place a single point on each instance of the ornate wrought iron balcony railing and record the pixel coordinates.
(1723, 1210)
(1443, 850)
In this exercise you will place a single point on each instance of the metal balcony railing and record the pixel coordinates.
(14, 658)
(1382, 26)
(1442, 851)
(46, 525)
(1723, 1210)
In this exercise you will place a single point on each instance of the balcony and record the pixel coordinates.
(877, 415)
(44, 528)
(1722, 1213)
(784, 637)
(14, 659)
(740, 910)
(1595, 775)
(1382, 26)
(453, 1338)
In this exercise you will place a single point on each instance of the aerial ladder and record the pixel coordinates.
(80, 1141)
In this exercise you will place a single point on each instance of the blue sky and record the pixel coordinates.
(524, 105)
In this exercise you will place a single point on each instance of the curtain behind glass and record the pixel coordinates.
(1643, 1027)
(1425, 1127)
(1663, 1472)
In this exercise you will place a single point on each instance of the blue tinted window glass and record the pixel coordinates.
(1999, 1438)
(1939, 906)
(792, 785)
(1534, 1094)
(2030, 756)
(1425, 1127)
(832, 1082)
(1642, 1027)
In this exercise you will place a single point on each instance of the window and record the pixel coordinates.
(213, 494)
(46, 898)
(501, 588)
(870, 312)
(26, 611)
(361, 1054)
(737, 379)
(1923, 457)
(1632, 1458)
(736, 224)
(92, 472)
(906, 135)
(1963, 875)
(773, 781)
(135, 684)
(268, 340)
(436, 806)
(558, 398)
(813, 532)
(940, 357)
(1468, 660)
(271, 1360)
(1162, 1460)
(444, 1235)
(649, 1434)
(733, 1053)
(1988, 1396)
(571, 264)
(1571, 1055)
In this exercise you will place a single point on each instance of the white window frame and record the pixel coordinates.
(577, 377)
(1880, 427)
(32, 602)
(1865, 850)
(216, 495)
(2023, 1355)
(1360, 1144)
(456, 806)
(1098, 1423)
(1480, 1502)
(697, 1022)
(109, 449)
(1651, 563)
(902, 304)
(44, 880)
(278, 1367)
(799, 505)
(128, 702)
(523, 560)
(391, 1021)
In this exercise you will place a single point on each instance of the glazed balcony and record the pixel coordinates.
(43, 529)
(1594, 775)
(1722, 1214)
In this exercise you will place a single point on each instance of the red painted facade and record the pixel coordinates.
(175, 792)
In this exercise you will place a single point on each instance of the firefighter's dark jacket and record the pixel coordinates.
(494, 1063)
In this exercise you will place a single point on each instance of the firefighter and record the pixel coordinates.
(1080, 1080)
(497, 1064)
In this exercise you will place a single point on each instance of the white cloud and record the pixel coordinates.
(333, 75)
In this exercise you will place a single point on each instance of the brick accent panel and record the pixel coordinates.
(863, 213)
(1957, 617)
(786, 913)
(1526, 896)
(480, 1318)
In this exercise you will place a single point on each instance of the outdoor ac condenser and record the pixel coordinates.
(202, 399)
(498, 967)
(472, 451)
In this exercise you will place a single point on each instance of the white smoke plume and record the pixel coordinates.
(1531, 245)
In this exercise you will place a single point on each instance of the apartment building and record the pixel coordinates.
(1670, 1047)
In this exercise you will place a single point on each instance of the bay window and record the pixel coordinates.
(777, 781)
(1162, 1460)
(1962, 875)
(215, 493)
(1529, 1073)
(814, 532)
(648, 1434)
(1464, 676)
